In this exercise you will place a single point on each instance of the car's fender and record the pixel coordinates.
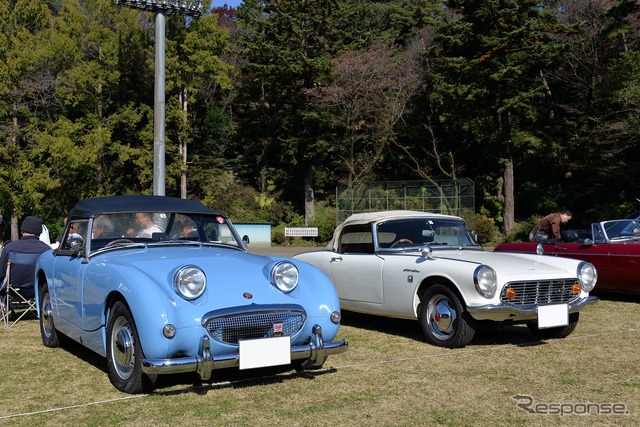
(151, 310)
(404, 277)
(317, 292)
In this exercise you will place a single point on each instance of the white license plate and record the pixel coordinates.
(265, 352)
(551, 316)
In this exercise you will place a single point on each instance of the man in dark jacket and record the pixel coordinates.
(550, 225)
(30, 242)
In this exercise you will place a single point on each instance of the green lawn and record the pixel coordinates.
(389, 377)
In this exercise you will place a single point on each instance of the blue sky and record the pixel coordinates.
(231, 3)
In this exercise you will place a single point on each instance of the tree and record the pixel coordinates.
(594, 98)
(287, 47)
(366, 100)
(363, 23)
(488, 61)
(197, 78)
(27, 82)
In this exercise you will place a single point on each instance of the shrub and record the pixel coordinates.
(277, 234)
(485, 228)
(245, 204)
(325, 220)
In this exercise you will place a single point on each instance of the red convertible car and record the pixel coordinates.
(612, 246)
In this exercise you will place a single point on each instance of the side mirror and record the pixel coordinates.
(245, 239)
(588, 242)
(426, 252)
(75, 242)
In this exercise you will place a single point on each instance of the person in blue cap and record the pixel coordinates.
(29, 242)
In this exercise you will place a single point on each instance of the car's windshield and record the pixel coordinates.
(422, 231)
(622, 229)
(150, 227)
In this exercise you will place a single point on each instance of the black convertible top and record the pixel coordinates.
(137, 203)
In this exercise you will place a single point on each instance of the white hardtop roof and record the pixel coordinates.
(373, 217)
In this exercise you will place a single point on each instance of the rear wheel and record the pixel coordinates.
(443, 318)
(554, 333)
(47, 328)
(124, 353)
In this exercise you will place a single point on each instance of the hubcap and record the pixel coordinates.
(122, 348)
(441, 317)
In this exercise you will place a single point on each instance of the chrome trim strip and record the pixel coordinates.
(316, 353)
(528, 311)
(250, 309)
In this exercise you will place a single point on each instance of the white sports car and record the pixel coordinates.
(426, 266)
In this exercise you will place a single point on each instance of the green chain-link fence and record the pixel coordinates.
(453, 197)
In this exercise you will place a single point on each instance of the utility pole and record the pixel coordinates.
(161, 8)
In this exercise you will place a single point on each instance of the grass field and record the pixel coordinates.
(389, 377)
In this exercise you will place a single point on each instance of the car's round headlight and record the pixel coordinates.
(588, 276)
(190, 282)
(485, 280)
(284, 275)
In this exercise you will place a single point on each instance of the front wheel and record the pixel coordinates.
(443, 318)
(554, 333)
(48, 331)
(124, 353)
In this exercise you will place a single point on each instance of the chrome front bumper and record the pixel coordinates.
(502, 312)
(315, 353)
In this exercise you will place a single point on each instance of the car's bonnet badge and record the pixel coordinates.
(247, 295)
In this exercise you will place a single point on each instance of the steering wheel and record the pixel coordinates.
(116, 241)
(403, 240)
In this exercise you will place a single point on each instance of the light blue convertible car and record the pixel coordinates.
(161, 285)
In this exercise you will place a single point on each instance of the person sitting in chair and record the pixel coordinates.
(30, 243)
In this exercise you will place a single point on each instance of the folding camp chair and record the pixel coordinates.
(18, 299)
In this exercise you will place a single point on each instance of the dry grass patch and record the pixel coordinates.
(389, 377)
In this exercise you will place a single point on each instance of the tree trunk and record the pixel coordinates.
(508, 224)
(508, 212)
(15, 234)
(309, 206)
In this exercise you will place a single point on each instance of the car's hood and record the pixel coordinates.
(230, 273)
(514, 264)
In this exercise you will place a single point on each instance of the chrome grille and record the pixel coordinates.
(230, 329)
(542, 292)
